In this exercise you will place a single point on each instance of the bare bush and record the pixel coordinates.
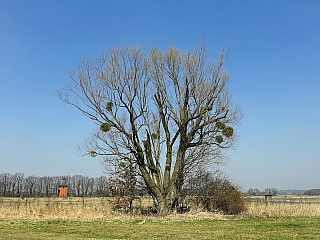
(214, 192)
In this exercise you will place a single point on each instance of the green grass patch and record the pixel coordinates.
(164, 228)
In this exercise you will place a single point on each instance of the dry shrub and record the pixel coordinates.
(228, 199)
(225, 199)
(214, 192)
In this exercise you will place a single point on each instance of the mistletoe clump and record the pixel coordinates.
(109, 106)
(105, 127)
(228, 131)
(220, 125)
(219, 139)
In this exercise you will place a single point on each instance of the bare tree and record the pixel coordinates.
(168, 112)
(100, 186)
(77, 185)
(72, 186)
(91, 187)
(47, 182)
(5, 183)
(17, 186)
(86, 185)
(255, 192)
(30, 185)
(20, 179)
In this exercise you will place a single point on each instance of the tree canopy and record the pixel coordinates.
(166, 112)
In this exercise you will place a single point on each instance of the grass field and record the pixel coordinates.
(164, 228)
(77, 218)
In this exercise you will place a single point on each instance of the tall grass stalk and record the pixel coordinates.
(282, 209)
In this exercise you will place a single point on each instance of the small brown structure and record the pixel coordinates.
(63, 189)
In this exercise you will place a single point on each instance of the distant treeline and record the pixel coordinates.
(257, 192)
(312, 192)
(18, 185)
(274, 191)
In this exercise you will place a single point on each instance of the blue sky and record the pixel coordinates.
(274, 64)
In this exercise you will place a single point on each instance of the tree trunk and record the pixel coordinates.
(163, 207)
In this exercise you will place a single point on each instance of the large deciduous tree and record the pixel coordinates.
(165, 111)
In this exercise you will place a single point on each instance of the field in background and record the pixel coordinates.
(65, 208)
(294, 199)
(282, 205)
(95, 218)
(101, 208)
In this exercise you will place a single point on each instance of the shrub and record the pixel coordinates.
(227, 199)
(214, 192)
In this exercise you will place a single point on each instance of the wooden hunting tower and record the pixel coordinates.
(63, 189)
(267, 197)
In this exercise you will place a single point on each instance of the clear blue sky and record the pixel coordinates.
(274, 64)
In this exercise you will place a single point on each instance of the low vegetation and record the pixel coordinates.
(102, 208)
(285, 206)
(96, 218)
(164, 228)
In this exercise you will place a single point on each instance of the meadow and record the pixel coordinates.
(94, 218)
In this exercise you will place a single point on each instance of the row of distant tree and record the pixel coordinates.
(257, 192)
(274, 191)
(312, 192)
(19, 185)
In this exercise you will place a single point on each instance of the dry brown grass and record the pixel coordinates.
(82, 209)
(100, 208)
(294, 206)
(55, 208)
